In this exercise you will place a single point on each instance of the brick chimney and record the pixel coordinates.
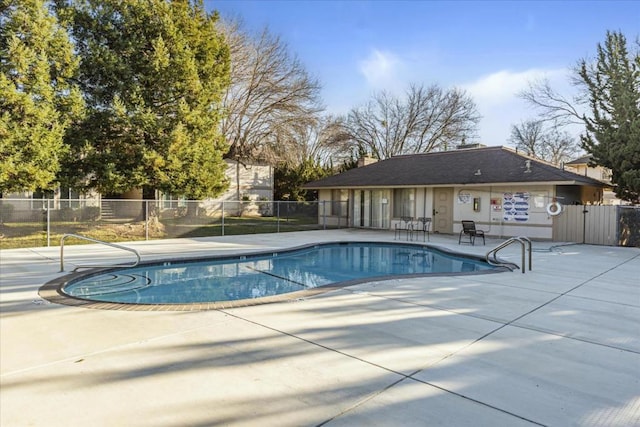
(366, 160)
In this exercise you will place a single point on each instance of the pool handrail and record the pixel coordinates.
(520, 239)
(113, 245)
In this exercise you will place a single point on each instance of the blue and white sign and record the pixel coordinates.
(515, 207)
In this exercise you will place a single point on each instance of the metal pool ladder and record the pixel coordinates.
(492, 258)
(113, 245)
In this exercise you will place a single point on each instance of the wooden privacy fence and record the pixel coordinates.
(598, 225)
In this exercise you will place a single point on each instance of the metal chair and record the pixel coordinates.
(470, 231)
(424, 227)
(405, 225)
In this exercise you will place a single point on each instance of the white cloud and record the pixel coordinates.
(496, 96)
(381, 69)
(504, 86)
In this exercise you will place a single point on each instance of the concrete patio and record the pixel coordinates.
(557, 346)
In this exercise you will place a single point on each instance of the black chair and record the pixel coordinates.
(470, 231)
(405, 225)
(424, 225)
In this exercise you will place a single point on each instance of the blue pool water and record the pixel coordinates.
(260, 275)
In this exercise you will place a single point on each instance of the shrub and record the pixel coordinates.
(90, 213)
(6, 212)
(67, 214)
(629, 226)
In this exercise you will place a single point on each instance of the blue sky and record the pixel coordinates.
(491, 49)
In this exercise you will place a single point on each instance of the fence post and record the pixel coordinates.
(222, 218)
(48, 222)
(146, 220)
(618, 213)
(278, 217)
(386, 214)
(324, 215)
(584, 223)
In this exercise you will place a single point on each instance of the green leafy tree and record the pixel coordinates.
(153, 74)
(609, 88)
(289, 179)
(613, 130)
(37, 99)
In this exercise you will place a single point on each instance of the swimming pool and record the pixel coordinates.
(256, 276)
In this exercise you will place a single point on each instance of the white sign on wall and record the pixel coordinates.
(464, 197)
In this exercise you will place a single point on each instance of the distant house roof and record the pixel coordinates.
(490, 165)
(584, 160)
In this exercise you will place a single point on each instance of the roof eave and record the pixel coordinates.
(459, 184)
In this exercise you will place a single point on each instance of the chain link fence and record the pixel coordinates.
(42, 222)
(628, 230)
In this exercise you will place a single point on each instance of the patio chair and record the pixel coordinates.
(469, 231)
(405, 225)
(424, 225)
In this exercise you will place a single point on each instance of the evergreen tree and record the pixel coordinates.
(153, 74)
(37, 100)
(289, 179)
(613, 130)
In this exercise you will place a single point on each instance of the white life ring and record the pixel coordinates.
(554, 209)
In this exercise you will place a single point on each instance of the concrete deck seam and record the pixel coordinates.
(404, 376)
(253, 322)
(510, 323)
(584, 340)
(572, 289)
(476, 316)
(40, 255)
(603, 300)
(106, 350)
(478, 402)
(365, 400)
(417, 304)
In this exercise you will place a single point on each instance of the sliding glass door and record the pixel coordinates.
(371, 208)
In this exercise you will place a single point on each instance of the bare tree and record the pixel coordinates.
(326, 142)
(560, 146)
(270, 98)
(527, 136)
(553, 106)
(425, 120)
(545, 142)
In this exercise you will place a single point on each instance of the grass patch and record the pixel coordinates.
(29, 235)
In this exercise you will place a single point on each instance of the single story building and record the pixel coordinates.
(505, 192)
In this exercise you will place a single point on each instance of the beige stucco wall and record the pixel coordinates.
(596, 172)
(495, 220)
(600, 173)
(538, 224)
(255, 182)
(25, 200)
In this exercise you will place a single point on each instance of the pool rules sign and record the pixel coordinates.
(515, 207)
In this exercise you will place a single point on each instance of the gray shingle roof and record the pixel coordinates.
(490, 165)
(580, 161)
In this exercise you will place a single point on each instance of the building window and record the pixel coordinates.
(40, 198)
(403, 202)
(72, 198)
(169, 202)
(339, 202)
